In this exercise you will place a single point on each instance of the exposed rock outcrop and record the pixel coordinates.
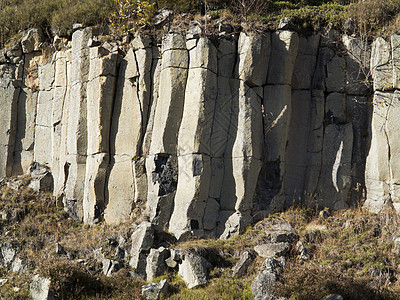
(209, 134)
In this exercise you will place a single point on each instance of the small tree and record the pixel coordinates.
(130, 14)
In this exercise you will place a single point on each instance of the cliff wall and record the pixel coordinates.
(207, 133)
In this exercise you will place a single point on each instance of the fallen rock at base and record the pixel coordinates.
(278, 230)
(39, 289)
(175, 258)
(7, 254)
(272, 249)
(155, 291)
(243, 264)
(110, 266)
(303, 252)
(156, 265)
(266, 279)
(142, 240)
(41, 178)
(193, 270)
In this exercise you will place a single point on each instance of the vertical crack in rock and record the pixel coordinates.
(167, 120)
(194, 163)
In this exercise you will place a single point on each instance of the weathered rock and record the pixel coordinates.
(226, 57)
(283, 56)
(8, 253)
(156, 265)
(381, 167)
(304, 252)
(142, 241)
(109, 266)
(196, 124)
(41, 178)
(191, 196)
(39, 289)
(381, 66)
(336, 161)
(155, 291)
(296, 156)
(19, 266)
(305, 63)
(335, 80)
(272, 249)
(253, 58)
(9, 92)
(162, 184)
(162, 17)
(240, 268)
(395, 44)
(357, 65)
(32, 40)
(60, 249)
(193, 270)
(266, 279)
(169, 108)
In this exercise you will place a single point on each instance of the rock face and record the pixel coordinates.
(208, 134)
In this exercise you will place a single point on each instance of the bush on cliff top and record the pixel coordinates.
(57, 16)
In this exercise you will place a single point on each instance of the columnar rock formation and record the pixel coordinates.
(382, 172)
(209, 133)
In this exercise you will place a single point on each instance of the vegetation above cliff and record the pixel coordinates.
(57, 16)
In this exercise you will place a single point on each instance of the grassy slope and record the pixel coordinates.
(352, 254)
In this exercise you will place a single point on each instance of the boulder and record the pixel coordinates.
(193, 270)
(39, 289)
(266, 279)
(142, 241)
(272, 249)
(155, 291)
(156, 265)
(240, 268)
(109, 266)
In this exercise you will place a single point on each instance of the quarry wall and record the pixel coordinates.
(209, 134)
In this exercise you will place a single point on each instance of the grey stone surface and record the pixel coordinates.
(9, 92)
(156, 265)
(39, 289)
(381, 65)
(240, 268)
(283, 55)
(266, 279)
(253, 58)
(193, 270)
(272, 249)
(31, 40)
(155, 291)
